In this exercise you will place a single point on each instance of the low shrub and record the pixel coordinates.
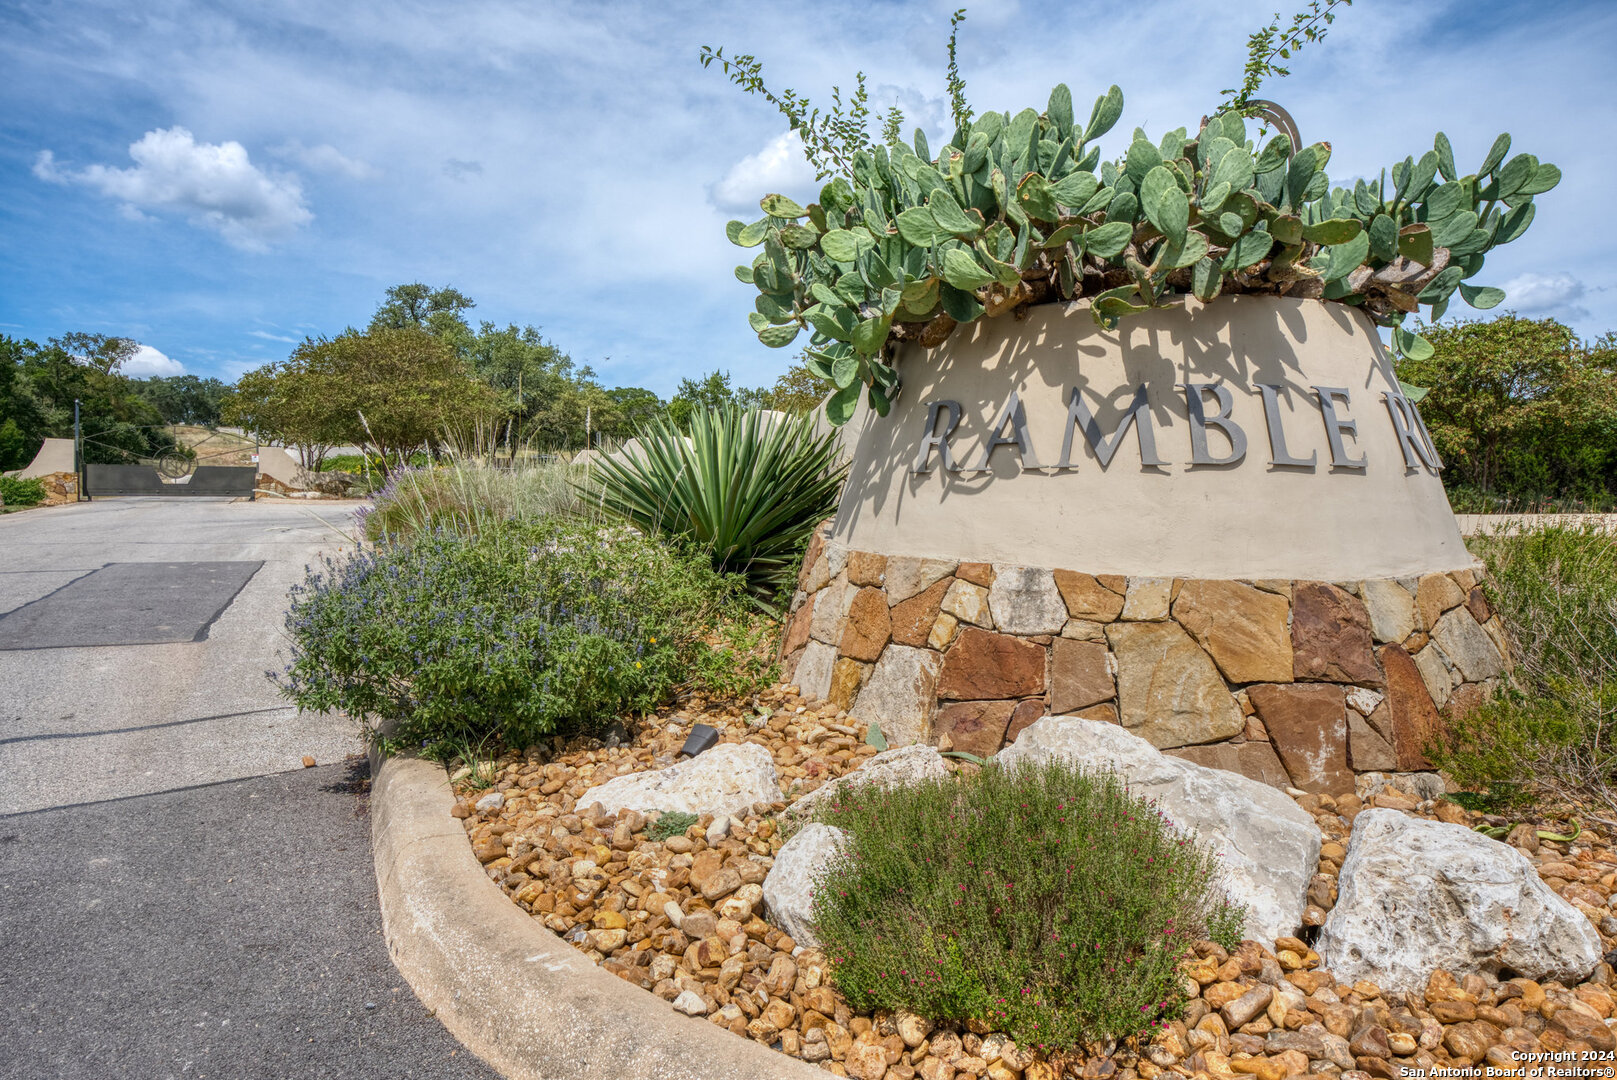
(1547, 734)
(747, 486)
(519, 631)
(671, 823)
(466, 498)
(1045, 901)
(16, 492)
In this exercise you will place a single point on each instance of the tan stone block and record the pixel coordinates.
(1084, 630)
(1086, 598)
(831, 611)
(943, 631)
(1080, 675)
(1115, 582)
(1434, 672)
(1253, 760)
(1390, 607)
(985, 666)
(907, 575)
(1024, 600)
(912, 619)
(867, 568)
(968, 603)
(848, 677)
(1244, 629)
(1147, 599)
(1437, 593)
(868, 626)
(1169, 691)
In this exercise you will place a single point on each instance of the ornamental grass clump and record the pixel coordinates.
(519, 631)
(1043, 900)
(465, 497)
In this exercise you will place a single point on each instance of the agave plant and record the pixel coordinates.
(747, 485)
(1020, 210)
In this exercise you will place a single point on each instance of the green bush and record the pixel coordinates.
(1548, 734)
(466, 498)
(519, 631)
(746, 486)
(671, 823)
(15, 492)
(1043, 900)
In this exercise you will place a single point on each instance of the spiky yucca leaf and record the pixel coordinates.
(746, 485)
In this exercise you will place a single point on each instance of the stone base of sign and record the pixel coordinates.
(1295, 683)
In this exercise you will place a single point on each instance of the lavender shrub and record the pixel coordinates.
(521, 631)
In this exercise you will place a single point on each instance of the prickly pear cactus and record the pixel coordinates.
(1019, 210)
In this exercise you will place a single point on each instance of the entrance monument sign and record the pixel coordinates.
(1220, 525)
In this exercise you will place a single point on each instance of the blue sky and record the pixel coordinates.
(217, 180)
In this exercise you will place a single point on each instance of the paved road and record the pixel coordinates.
(179, 897)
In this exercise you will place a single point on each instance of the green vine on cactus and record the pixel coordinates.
(1262, 50)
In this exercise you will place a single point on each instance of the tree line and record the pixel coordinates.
(420, 373)
(122, 418)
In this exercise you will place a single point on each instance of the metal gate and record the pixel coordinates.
(196, 462)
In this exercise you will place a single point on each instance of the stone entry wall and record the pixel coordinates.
(1300, 683)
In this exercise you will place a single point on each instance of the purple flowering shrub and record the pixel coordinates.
(1043, 900)
(521, 631)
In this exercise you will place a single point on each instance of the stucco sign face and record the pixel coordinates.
(1208, 405)
(1249, 438)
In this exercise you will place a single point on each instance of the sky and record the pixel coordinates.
(218, 180)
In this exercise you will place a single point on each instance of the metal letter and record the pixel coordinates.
(1199, 421)
(935, 439)
(1016, 416)
(1427, 435)
(1278, 454)
(1411, 433)
(1335, 426)
(1138, 413)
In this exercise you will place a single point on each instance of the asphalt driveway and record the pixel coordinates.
(179, 896)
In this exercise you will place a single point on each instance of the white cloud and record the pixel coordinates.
(267, 336)
(216, 185)
(324, 158)
(778, 168)
(1547, 294)
(148, 361)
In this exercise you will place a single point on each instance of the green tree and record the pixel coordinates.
(41, 383)
(799, 390)
(295, 402)
(712, 392)
(183, 399)
(440, 312)
(1520, 405)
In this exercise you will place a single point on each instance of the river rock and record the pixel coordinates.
(725, 780)
(1418, 895)
(890, 768)
(789, 887)
(1268, 847)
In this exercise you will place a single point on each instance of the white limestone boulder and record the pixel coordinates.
(789, 886)
(722, 781)
(1267, 845)
(890, 768)
(1417, 895)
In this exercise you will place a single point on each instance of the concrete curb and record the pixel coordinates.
(516, 995)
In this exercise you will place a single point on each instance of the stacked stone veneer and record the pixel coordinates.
(1300, 683)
